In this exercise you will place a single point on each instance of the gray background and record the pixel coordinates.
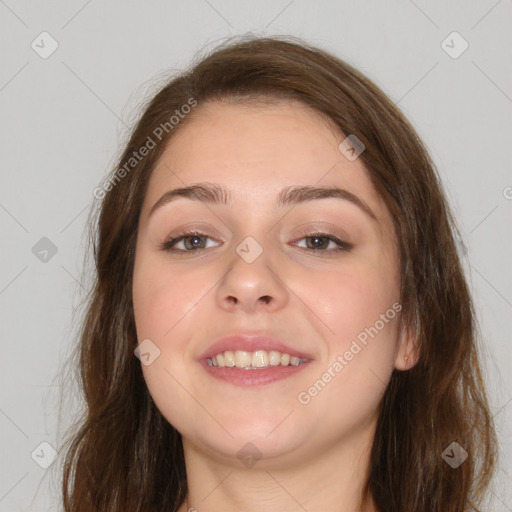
(64, 119)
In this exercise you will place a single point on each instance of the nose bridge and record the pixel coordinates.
(252, 279)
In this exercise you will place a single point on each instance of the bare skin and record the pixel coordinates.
(314, 447)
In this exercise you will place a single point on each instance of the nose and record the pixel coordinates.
(252, 286)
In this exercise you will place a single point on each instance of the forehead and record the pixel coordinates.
(256, 150)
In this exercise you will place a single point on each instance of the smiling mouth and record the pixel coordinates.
(257, 360)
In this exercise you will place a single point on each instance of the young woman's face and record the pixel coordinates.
(266, 265)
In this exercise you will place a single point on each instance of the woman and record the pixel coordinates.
(280, 320)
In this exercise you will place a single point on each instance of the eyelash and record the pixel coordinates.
(169, 244)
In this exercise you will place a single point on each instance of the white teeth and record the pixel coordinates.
(259, 359)
(253, 360)
(274, 358)
(229, 358)
(294, 361)
(242, 359)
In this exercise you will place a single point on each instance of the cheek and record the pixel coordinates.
(167, 306)
(162, 298)
(359, 309)
(350, 298)
(164, 304)
(361, 344)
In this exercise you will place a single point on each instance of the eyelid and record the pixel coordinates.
(202, 229)
(342, 245)
(325, 229)
(176, 238)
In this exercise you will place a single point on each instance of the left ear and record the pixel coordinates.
(408, 352)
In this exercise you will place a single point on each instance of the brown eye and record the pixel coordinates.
(194, 242)
(186, 242)
(321, 242)
(318, 242)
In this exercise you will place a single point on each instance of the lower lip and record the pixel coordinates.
(241, 377)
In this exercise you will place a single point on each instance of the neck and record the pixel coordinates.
(332, 480)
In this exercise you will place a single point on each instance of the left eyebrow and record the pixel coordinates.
(212, 193)
(301, 194)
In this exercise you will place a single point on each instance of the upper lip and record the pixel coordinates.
(251, 343)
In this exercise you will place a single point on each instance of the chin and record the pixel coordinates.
(268, 440)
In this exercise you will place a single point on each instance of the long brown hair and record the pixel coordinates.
(124, 456)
